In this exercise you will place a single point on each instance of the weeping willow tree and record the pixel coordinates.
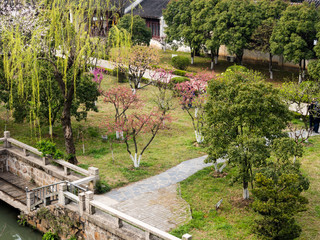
(63, 39)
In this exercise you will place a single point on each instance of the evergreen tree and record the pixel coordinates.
(243, 112)
(294, 35)
(235, 22)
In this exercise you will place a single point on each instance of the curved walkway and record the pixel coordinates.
(165, 179)
(155, 200)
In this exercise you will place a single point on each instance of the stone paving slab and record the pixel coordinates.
(163, 208)
(155, 200)
(165, 179)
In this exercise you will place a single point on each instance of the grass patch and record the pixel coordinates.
(202, 191)
(202, 63)
(98, 153)
(133, 174)
(169, 148)
(84, 166)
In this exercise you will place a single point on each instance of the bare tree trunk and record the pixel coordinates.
(240, 56)
(212, 59)
(270, 65)
(216, 56)
(67, 131)
(68, 93)
(245, 190)
(304, 70)
(300, 72)
(192, 56)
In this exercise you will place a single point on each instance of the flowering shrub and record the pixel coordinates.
(193, 95)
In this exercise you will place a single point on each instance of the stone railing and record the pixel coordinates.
(87, 207)
(91, 175)
(84, 201)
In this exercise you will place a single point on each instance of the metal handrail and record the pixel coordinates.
(75, 189)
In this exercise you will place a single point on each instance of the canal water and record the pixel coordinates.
(9, 227)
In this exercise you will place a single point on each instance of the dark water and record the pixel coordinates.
(10, 229)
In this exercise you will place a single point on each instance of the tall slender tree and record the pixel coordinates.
(203, 21)
(294, 35)
(235, 22)
(62, 38)
(270, 12)
(178, 17)
(242, 113)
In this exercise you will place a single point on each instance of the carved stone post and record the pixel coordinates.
(66, 171)
(30, 200)
(89, 197)
(94, 172)
(148, 235)
(82, 203)
(45, 160)
(6, 143)
(62, 188)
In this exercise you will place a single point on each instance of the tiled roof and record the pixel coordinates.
(150, 8)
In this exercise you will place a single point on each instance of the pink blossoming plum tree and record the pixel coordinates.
(193, 96)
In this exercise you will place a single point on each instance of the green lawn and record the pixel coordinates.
(203, 63)
(169, 148)
(233, 220)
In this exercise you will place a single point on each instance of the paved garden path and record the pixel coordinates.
(112, 65)
(155, 200)
(165, 179)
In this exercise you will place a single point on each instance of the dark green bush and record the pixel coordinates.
(102, 187)
(180, 62)
(237, 68)
(177, 80)
(49, 148)
(93, 131)
(145, 80)
(179, 73)
(50, 236)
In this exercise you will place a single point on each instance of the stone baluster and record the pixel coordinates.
(62, 199)
(82, 203)
(119, 223)
(45, 160)
(6, 143)
(30, 200)
(25, 152)
(66, 171)
(93, 171)
(148, 235)
(89, 208)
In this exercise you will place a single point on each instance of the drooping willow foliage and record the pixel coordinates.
(62, 38)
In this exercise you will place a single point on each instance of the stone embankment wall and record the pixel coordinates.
(29, 170)
(73, 214)
(68, 223)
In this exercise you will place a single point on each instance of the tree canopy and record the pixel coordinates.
(180, 27)
(242, 113)
(136, 26)
(62, 40)
(235, 22)
(294, 34)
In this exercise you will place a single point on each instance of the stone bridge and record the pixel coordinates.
(36, 185)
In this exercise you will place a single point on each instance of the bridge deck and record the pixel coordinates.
(15, 186)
